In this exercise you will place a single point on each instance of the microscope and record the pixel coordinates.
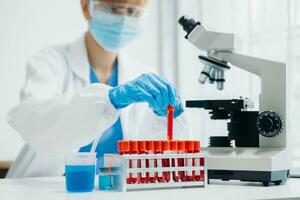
(256, 146)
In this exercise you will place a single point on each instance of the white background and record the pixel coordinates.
(267, 28)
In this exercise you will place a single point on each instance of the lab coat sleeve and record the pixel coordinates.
(53, 122)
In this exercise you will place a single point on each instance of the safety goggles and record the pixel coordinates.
(122, 9)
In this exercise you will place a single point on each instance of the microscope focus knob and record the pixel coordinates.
(269, 124)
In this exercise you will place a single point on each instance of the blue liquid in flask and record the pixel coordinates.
(80, 178)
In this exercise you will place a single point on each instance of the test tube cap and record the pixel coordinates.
(142, 145)
(189, 145)
(157, 145)
(171, 108)
(196, 145)
(181, 145)
(134, 146)
(150, 145)
(173, 145)
(165, 145)
(125, 146)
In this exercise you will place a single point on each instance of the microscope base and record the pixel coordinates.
(266, 165)
(276, 177)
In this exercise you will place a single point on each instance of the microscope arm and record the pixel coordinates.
(273, 95)
(257, 66)
(221, 45)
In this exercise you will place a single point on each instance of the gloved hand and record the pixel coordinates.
(150, 88)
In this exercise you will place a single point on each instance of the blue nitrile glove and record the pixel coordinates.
(150, 88)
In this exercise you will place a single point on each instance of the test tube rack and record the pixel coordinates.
(122, 163)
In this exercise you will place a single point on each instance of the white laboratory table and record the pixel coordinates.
(54, 189)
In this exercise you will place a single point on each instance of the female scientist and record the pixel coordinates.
(76, 91)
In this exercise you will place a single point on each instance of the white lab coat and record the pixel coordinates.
(60, 110)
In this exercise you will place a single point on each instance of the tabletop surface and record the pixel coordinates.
(54, 188)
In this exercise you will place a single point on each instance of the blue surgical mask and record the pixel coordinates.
(113, 32)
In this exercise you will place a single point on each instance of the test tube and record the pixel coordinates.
(181, 150)
(166, 161)
(124, 148)
(189, 148)
(174, 149)
(142, 162)
(202, 171)
(170, 118)
(158, 163)
(134, 162)
(197, 160)
(150, 162)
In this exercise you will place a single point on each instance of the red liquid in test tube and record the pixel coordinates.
(174, 149)
(189, 146)
(150, 162)
(181, 150)
(158, 162)
(202, 171)
(170, 118)
(142, 178)
(134, 162)
(197, 160)
(124, 148)
(166, 161)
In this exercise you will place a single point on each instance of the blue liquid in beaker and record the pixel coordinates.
(80, 178)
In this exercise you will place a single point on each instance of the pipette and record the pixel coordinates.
(170, 117)
(96, 141)
(93, 149)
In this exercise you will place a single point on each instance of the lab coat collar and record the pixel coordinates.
(80, 65)
(79, 61)
(125, 68)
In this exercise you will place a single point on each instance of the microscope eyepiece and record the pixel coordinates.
(187, 23)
